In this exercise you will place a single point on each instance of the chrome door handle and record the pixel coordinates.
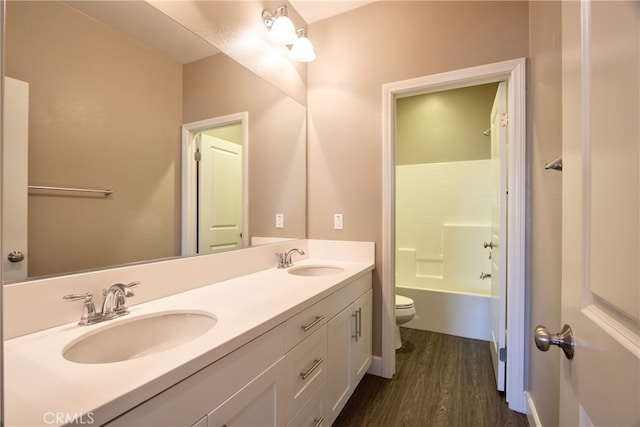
(564, 340)
(15, 256)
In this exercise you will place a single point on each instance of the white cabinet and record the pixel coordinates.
(349, 352)
(306, 371)
(256, 404)
(188, 401)
(361, 354)
(313, 412)
(300, 373)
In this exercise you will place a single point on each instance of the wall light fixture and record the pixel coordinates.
(302, 49)
(282, 30)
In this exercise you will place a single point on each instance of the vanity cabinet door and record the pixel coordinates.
(348, 352)
(185, 403)
(361, 357)
(340, 330)
(256, 404)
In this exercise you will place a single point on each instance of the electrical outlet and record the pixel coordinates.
(279, 220)
(338, 224)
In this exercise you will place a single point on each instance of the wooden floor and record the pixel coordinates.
(440, 380)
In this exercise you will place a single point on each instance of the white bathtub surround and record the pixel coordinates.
(443, 217)
(256, 298)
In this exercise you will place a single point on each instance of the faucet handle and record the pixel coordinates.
(131, 285)
(282, 260)
(89, 315)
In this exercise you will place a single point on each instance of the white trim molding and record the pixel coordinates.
(514, 73)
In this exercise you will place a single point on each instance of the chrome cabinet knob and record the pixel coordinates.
(564, 340)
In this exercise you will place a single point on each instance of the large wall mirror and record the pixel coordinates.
(105, 111)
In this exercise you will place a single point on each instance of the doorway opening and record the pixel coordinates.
(512, 74)
(448, 215)
(215, 184)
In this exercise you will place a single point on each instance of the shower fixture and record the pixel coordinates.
(487, 132)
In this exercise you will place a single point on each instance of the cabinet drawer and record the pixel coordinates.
(306, 371)
(305, 323)
(339, 300)
(313, 412)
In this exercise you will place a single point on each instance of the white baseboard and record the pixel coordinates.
(376, 366)
(532, 414)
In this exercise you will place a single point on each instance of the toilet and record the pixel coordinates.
(405, 310)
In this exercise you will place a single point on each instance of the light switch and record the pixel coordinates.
(337, 222)
(279, 220)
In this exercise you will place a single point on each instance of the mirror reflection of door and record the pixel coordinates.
(219, 189)
(215, 182)
(14, 179)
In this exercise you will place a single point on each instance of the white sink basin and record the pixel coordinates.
(315, 270)
(138, 337)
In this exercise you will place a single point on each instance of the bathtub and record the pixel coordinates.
(455, 313)
(449, 295)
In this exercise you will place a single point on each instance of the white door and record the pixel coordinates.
(601, 221)
(219, 195)
(14, 179)
(498, 244)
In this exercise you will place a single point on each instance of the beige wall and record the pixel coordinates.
(236, 28)
(358, 52)
(545, 200)
(277, 149)
(80, 85)
(444, 126)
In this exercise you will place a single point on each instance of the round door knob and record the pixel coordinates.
(15, 256)
(544, 340)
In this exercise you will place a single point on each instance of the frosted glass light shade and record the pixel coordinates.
(302, 50)
(283, 31)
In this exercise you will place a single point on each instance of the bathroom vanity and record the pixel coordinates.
(280, 347)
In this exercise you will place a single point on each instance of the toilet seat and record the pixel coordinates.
(403, 302)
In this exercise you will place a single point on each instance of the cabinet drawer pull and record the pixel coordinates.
(317, 422)
(316, 363)
(317, 320)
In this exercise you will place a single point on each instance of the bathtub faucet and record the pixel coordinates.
(485, 275)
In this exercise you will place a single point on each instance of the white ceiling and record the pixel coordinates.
(145, 23)
(316, 10)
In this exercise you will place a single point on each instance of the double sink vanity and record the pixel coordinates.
(246, 343)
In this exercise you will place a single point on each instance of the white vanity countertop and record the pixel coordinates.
(40, 384)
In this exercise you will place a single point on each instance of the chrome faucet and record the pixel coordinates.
(113, 304)
(285, 257)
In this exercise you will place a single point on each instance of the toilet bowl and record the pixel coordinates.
(405, 311)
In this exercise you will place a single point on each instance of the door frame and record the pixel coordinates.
(189, 176)
(514, 73)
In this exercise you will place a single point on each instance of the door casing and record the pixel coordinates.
(514, 73)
